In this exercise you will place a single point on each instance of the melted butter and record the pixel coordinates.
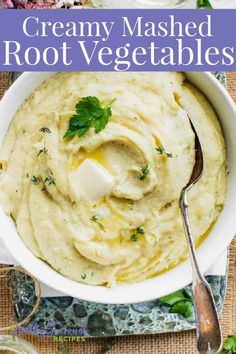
(119, 91)
(97, 155)
(182, 259)
(157, 140)
(205, 235)
(200, 240)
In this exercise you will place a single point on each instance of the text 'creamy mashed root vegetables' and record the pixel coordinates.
(100, 203)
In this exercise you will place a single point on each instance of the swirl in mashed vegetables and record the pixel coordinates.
(101, 206)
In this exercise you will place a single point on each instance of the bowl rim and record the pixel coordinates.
(146, 290)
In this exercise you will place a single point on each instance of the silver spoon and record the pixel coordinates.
(209, 337)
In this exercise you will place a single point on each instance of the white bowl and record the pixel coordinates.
(164, 284)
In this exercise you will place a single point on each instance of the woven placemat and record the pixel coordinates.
(173, 343)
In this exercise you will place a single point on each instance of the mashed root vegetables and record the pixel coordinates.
(102, 207)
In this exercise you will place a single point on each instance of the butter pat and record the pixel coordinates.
(91, 181)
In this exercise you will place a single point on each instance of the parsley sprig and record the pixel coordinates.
(206, 4)
(180, 302)
(89, 113)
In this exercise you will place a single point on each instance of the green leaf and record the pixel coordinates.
(230, 344)
(179, 302)
(183, 307)
(102, 121)
(204, 4)
(82, 131)
(76, 123)
(89, 105)
(89, 113)
(69, 133)
(175, 297)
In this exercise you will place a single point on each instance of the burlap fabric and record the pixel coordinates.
(174, 343)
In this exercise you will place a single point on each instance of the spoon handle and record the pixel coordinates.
(207, 322)
(209, 336)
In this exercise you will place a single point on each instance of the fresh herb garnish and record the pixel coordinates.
(83, 276)
(229, 346)
(43, 150)
(180, 302)
(161, 150)
(134, 238)
(35, 180)
(204, 3)
(144, 173)
(95, 218)
(45, 130)
(89, 113)
(139, 231)
(50, 180)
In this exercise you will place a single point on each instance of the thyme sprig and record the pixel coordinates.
(162, 151)
(35, 179)
(49, 180)
(95, 218)
(144, 173)
(138, 231)
(45, 130)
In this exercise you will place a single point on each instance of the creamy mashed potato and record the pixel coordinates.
(103, 208)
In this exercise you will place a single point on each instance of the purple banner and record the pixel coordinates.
(120, 40)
